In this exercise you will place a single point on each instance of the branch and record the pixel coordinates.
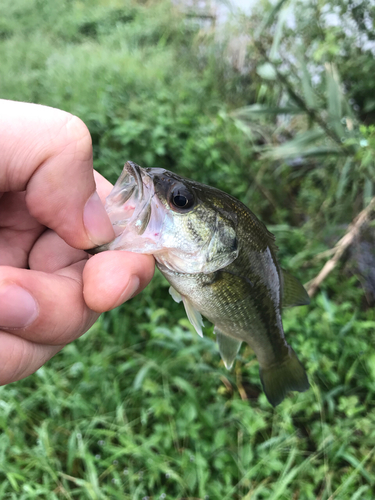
(352, 233)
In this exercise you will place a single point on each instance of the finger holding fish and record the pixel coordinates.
(109, 279)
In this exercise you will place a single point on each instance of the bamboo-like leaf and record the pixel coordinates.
(367, 191)
(367, 160)
(308, 91)
(283, 16)
(303, 144)
(334, 100)
(270, 18)
(284, 153)
(344, 177)
(254, 110)
(347, 110)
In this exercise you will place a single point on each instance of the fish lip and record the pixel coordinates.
(136, 186)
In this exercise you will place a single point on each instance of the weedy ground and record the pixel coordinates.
(140, 407)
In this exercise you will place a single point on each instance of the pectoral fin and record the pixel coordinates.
(193, 315)
(293, 292)
(175, 295)
(228, 348)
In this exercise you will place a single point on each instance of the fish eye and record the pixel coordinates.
(181, 198)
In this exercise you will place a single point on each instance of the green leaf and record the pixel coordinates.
(283, 16)
(367, 191)
(344, 177)
(141, 375)
(303, 144)
(334, 100)
(266, 71)
(270, 17)
(308, 91)
(255, 110)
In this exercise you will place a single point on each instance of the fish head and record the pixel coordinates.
(179, 221)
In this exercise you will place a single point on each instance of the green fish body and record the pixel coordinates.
(220, 261)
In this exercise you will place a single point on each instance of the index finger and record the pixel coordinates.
(48, 153)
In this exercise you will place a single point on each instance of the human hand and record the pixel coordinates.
(49, 293)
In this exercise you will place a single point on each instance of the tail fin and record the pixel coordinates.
(279, 379)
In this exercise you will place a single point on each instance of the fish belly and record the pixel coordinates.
(234, 312)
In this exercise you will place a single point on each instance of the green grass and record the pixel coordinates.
(140, 407)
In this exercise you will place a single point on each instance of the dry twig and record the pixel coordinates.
(339, 249)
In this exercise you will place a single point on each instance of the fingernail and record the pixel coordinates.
(98, 226)
(17, 307)
(132, 287)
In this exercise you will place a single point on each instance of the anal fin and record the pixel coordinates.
(228, 348)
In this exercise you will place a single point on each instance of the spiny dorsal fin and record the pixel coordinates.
(293, 292)
(228, 348)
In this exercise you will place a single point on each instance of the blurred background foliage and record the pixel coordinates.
(276, 107)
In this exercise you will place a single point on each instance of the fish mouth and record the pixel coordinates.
(125, 194)
(130, 182)
(128, 205)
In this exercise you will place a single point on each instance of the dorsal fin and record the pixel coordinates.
(293, 292)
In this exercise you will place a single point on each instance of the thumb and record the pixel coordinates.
(48, 153)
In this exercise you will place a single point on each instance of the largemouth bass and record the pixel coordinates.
(220, 261)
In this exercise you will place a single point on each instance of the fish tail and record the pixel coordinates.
(280, 378)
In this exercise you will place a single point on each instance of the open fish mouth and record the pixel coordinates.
(129, 203)
(129, 207)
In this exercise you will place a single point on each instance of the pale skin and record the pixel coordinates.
(50, 293)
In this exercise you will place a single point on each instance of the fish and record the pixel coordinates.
(220, 261)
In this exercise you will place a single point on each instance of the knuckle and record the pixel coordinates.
(77, 129)
(76, 136)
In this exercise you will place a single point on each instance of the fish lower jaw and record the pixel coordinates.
(164, 264)
(169, 262)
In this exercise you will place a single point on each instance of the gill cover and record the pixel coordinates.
(223, 247)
